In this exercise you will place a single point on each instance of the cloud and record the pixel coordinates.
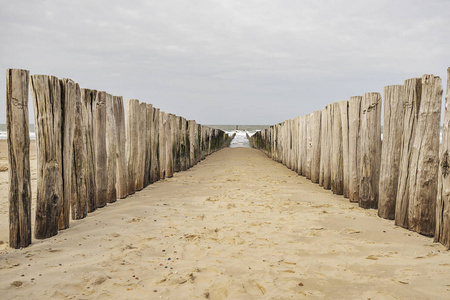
(220, 61)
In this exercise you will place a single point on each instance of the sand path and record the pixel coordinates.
(238, 226)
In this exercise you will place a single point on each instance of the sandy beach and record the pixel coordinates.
(236, 226)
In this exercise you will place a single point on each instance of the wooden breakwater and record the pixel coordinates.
(404, 174)
(90, 150)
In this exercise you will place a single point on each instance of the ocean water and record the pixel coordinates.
(3, 135)
(241, 131)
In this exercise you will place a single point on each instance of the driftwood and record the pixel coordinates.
(390, 150)
(411, 107)
(101, 158)
(132, 108)
(68, 100)
(370, 154)
(18, 158)
(337, 157)
(343, 107)
(46, 94)
(425, 159)
(442, 233)
(111, 150)
(79, 194)
(354, 124)
(121, 162)
(89, 99)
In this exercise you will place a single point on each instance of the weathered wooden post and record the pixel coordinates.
(131, 120)
(309, 147)
(162, 145)
(121, 161)
(155, 172)
(101, 168)
(425, 159)
(141, 116)
(343, 106)
(79, 194)
(111, 150)
(175, 130)
(328, 145)
(18, 158)
(184, 146)
(89, 99)
(148, 147)
(442, 233)
(46, 92)
(169, 152)
(68, 100)
(337, 157)
(324, 149)
(304, 148)
(390, 150)
(354, 124)
(370, 153)
(411, 107)
(315, 140)
(191, 126)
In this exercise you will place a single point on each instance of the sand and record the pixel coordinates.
(238, 226)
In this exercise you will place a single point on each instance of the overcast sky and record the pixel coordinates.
(227, 61)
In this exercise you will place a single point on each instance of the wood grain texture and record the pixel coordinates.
(79, 194)
(327, 143)
(425, 159)
(370, 153)
(162, 145)
(442, 233)
(89, 99)
(121, 158)
(309, 146)
(18, 138)
(315, 122)
(391, 149)
(411, 107)
(324, 150)
(354, 125)
(337, 154)
(111, 150)
(141, 118)
(148, 147)
(191, 127)
(343, 107)
(101, 157)
(169, 153)
(46, 93)
(155, 173)
(131, 142)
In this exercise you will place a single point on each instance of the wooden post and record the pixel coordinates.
(304, 147)
(46, 93)
(121, 161)
(191, 126)
(425, 159)
(337, 157)
(183, 145)
(155, 173)
(390, 150)
(68, 99)
(18, 158)
(354, 124)
(111, 150)
(162, 145)
(176, 142)
(89, 99)
(132, 142)
(79, 194)
(309, 148)
(370, 154)
(148, 147)
(323, 142)
(442, 233)
(327, 145)
(343, 106)
(169, 153)
(141, 118)
(315, 122)
(101, 169)
(411, 106)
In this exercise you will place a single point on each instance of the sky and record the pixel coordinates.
(227, 61)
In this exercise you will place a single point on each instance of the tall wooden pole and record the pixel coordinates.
(337, 155)
(354, 125)
(121, 161)
(148, 147)
(315, 140)
(111, 150)
(343, 107)
(101, 157)
(18, 158)
(132, 142)
(46, 92)
(390, 150)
